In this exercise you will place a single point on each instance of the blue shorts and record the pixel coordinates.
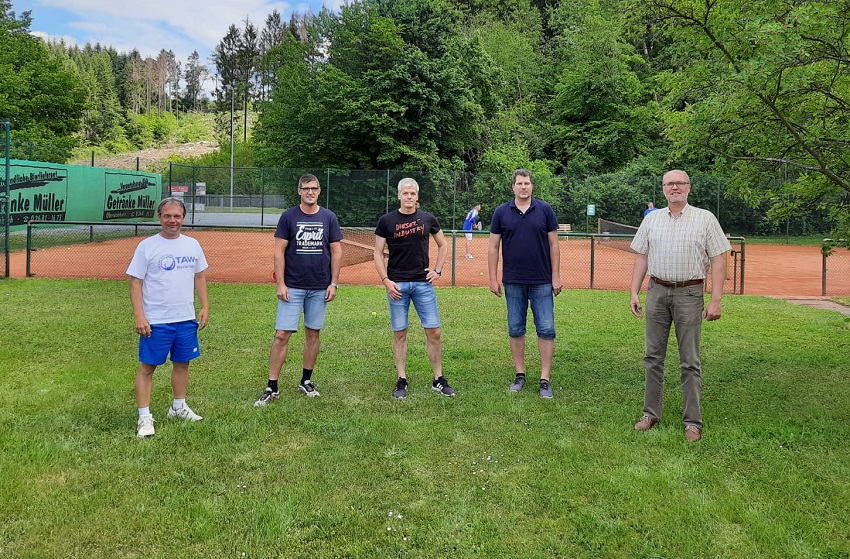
(180, 339)
(424, 299)
(311, 301)
(518, 296)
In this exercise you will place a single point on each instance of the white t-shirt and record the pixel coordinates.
(167, 268)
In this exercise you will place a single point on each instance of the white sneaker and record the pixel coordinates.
(144, 428)
(308, 388)
(184, 413)
(266, 397)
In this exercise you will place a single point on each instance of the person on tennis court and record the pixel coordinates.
(678, 246)
(307, 261)
(526, 229)
(408, 278)
(165, 273)
(471, 222)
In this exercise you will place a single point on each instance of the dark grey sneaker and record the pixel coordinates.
(266, 397)
(546, 389)
(441, 385)
(400, 392)
(518, 383)
(308, 388)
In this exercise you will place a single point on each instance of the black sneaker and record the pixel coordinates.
(441, 385)
(546, 389)
(518, 383)
(308, 388)
(400, 392)
(266, 397)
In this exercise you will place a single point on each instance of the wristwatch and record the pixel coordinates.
(335, 285)
(438, 271)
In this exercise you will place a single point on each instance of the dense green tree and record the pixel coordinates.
(273, 33)
(103, 118)
(27, 71)
(173, 75)
(248, 57)
(602, 117)
(195, 75)
(764, 86)
(516, 135)
(226, 59)
(388, 93)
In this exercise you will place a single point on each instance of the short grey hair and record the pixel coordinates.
(407, 182)
(172, 200)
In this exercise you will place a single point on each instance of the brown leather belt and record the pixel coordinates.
(676, 283)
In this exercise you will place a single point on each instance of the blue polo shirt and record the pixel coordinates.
(525, 241)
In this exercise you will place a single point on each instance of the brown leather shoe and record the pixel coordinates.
(645, 424)
(693, 433)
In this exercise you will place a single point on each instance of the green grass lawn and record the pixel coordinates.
(355, 473)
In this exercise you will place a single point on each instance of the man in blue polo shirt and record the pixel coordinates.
(526, 229)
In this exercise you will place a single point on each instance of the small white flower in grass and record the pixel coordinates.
(390, 514)
(404, 538)
(389, 528)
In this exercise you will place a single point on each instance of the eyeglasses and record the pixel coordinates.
(309, 189)
(672, 184)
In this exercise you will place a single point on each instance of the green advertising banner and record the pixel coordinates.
(51, 192)
(129, 195)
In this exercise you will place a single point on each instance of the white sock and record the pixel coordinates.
(144, 411)
(178, 403)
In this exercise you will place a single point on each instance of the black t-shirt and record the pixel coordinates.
(308, 254)
(407, 238)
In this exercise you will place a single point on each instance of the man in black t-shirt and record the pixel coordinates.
(408, 277)
(307, 260)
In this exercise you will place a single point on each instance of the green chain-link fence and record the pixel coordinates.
(360, 197)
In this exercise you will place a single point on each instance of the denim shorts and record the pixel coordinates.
(424, 299)
(311, 301)
(518, 296)
(180, 339)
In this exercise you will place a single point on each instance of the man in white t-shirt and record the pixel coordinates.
(165, 272)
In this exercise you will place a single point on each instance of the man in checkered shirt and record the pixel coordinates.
(678, 246)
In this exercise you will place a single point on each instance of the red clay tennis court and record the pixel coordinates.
(246, 257)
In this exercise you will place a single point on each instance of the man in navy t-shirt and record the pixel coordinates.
(307, 260)
(526, 229)
(408, 277)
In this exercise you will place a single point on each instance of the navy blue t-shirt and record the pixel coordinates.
(525, 241)
(308, 254)
(407, 238)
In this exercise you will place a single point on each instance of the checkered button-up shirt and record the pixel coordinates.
(679, 248)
